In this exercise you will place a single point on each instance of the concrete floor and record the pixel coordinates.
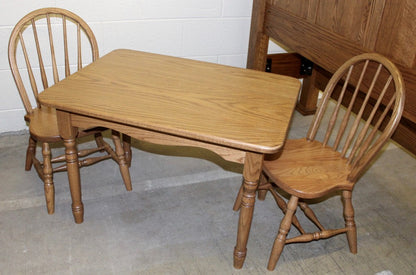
(179, 220)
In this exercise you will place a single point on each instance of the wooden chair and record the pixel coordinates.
(308, 169)
(35, 40)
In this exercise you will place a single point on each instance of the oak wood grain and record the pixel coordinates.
(193, 99)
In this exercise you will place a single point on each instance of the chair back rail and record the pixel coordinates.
(20, 36)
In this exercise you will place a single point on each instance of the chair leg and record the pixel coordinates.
(30, 153)
(280, 240)
(48, 178)
(261, 193)
(237, 202)
(283, 206)
(127, 148)
(349, 221)
(99, 140)
(310, 215)
(124, 168)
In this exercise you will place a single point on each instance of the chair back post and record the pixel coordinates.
(17, 37)
(358, 137)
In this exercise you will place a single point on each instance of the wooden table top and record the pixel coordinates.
(239, 108)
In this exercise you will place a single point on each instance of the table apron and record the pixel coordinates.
(227, 153)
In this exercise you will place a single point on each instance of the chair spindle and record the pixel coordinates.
(54, 66)
(371, 136)
(29, 67)
(360, 138)
(79, 47)
(67, 70)
(357, 120)
(41, 65)
(334, 116)
(347, 115)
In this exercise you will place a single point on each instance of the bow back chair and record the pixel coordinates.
(337, 150)
(336, 153)
(41, 48)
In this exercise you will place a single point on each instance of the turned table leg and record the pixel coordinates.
(68, 133)
(251, 174)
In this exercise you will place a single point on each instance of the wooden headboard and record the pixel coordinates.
(329, 32)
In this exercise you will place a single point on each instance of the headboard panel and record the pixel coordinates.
(330, 32)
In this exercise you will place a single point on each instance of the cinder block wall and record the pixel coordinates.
(209, 30)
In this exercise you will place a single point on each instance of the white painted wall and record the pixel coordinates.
(209, 30)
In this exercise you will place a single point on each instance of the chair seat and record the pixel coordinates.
(308, 170)
(43, 124)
